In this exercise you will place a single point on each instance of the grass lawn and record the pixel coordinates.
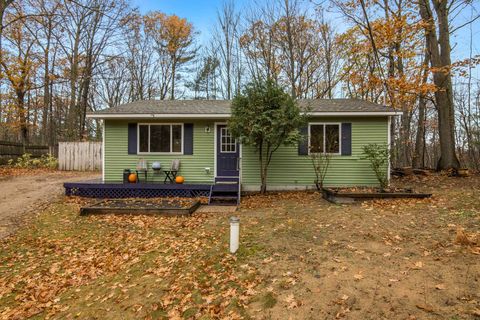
(300, 258)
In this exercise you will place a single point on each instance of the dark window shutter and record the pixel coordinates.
(188, 138)
(303, 143)
(346, 139)
(132, 138)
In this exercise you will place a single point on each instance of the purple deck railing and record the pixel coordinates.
(98, 189)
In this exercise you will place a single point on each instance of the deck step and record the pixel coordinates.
(225, 191)
(225, 188)
(224, 196)
(223, 202)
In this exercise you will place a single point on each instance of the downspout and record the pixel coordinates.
(389, 142)
(103, 149)
(240, 173)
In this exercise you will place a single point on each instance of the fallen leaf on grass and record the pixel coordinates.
(475, 312)
(358, 276)
(440, 286)
(393, 280)
(463, 238)
(425, 307)
(418, 265)
(291, 301)
(475, 250)
(267, 260)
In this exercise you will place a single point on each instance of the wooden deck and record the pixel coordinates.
(116, 190)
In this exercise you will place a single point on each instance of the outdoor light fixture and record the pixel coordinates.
(234, 234)
(207, 170)
(207, 128)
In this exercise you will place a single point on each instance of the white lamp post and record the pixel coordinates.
(234, 234)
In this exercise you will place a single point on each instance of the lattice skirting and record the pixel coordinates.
(114, 193)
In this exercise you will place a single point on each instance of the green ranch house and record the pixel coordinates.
(193, 135)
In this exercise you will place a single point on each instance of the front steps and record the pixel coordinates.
(225, 191)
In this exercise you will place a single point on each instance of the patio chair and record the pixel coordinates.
(141, 168)
(171, 174)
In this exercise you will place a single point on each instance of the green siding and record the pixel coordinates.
(192, 167)
(286, 169)
(290, 169)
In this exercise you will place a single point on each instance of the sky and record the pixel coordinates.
(203, 13)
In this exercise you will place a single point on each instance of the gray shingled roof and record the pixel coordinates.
(223, 107)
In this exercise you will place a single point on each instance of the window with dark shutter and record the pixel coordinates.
(188, 138)
(160, 138)
(303, 143)
(346, 139)
(132, 138)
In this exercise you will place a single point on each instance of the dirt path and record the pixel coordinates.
(21, 195)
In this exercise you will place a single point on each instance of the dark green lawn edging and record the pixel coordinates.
(338, 196)
(144, 207)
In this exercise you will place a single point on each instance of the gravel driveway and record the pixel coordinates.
(25, 194)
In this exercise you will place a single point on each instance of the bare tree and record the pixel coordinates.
(438, 39)
(225, 42)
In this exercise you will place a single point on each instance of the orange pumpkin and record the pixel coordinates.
(179, 179)
(132, 178)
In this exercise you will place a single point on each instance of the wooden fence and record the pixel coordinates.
(12, 150)
(80, 156)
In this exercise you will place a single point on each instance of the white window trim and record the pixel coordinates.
(339, 124)
(235, 142)
(171, 137)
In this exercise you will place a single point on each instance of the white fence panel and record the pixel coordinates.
(80, 156)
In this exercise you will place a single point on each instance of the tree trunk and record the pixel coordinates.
(73, 107)
(263, 170)
(419, 154)
(46, 88)
(22, 117)
(440, 60)
(174, 70)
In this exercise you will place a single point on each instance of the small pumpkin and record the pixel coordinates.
(180, 179)
(132, 178)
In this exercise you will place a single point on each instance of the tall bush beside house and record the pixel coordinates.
(265, 117)
(320, 162)
(378, 155)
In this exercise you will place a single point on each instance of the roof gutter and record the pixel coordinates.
(226, 115)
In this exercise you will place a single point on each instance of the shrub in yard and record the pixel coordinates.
(320, 162)
(49, 161)
(25, 161)
(378, 156)
(265, 117)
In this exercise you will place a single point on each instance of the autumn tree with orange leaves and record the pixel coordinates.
(386, 56)
(174, 42)
(18, 67)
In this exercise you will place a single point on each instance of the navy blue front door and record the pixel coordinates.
(227, 153)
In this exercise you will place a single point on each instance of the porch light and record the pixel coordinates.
(234, 234)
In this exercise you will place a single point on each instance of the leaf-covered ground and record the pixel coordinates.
(300, 258)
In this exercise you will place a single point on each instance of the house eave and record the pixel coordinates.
(358, 114)
(158, 116)
(227, 115)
